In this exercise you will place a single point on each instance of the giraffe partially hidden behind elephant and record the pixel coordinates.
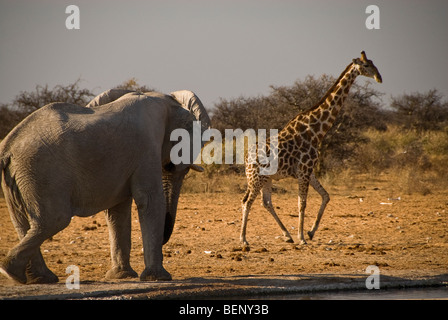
(298, 144)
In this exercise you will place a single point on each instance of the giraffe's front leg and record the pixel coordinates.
(303, 193)
(302, 206)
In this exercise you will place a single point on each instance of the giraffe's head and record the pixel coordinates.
(367, 68)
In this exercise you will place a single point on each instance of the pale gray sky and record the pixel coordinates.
(219, 48)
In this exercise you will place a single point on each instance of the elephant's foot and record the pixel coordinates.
(121, 273)
(159, 274)
(16, 274)
(38, 273)
(41, 278)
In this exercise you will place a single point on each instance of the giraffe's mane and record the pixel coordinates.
(322, 100)
(329, 91)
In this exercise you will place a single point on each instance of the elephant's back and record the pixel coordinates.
(40, 126)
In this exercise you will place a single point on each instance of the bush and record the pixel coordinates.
(415, 160)
(421, 111)
(27, 102)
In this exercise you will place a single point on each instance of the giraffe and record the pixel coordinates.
(297, 151)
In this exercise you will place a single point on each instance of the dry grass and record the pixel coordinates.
(415, 163)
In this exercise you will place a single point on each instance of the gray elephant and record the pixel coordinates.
(66, 160)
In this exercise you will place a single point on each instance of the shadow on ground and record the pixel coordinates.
(241, 287)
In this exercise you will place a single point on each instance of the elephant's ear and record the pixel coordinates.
(107, 96)
(190, 101)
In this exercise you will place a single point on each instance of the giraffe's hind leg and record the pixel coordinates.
(247, 201)
(325, 199)
(266, 193)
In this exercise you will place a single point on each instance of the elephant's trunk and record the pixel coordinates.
(172, 176)
(172, 182)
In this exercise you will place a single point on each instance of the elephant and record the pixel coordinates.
(67, 160)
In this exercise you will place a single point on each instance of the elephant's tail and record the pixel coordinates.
(4, 163)
(13, 196)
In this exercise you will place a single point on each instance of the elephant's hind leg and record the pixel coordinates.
(119, 222)
(24, 262)
(36, 271)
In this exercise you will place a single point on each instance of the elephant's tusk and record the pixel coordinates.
(197, 168)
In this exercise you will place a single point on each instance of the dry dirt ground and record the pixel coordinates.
(365, 224)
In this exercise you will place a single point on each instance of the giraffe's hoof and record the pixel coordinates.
(310, 235)
(288, 239)
(303, 242)
(245, 246)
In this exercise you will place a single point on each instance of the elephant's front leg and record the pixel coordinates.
(119, 222)
(151, 211)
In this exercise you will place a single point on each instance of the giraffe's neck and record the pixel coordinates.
(318, 120)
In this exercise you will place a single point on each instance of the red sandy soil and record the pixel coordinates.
(364, 224)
